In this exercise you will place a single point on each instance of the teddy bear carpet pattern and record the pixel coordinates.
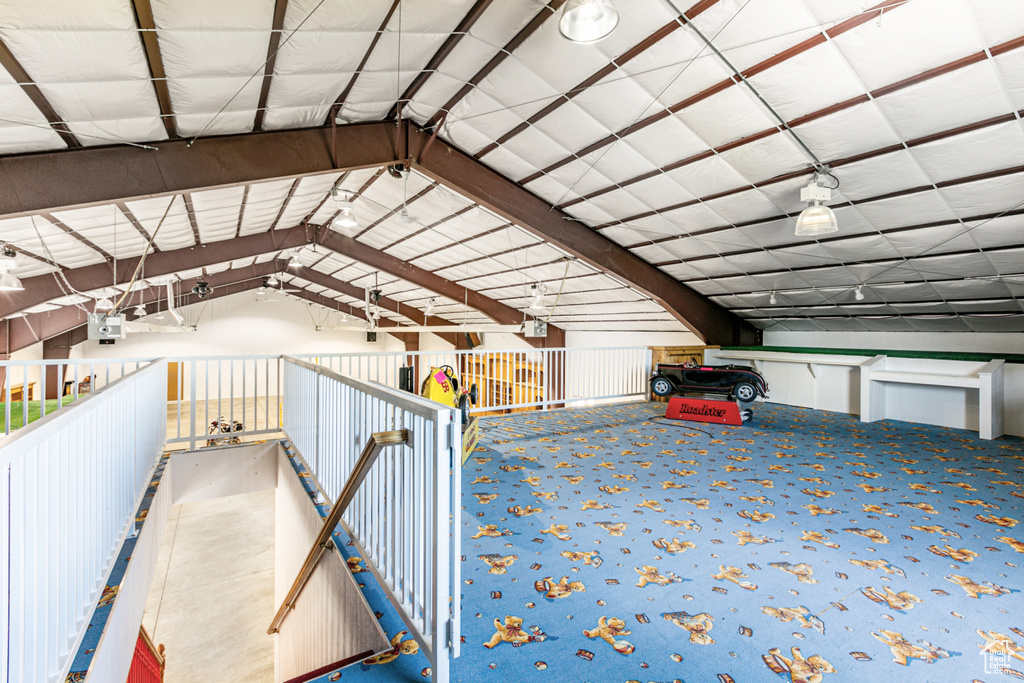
(600, 544)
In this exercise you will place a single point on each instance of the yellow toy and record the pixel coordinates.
(442, 386)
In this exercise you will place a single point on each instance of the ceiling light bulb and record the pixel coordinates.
(272, 281)
(346, 216)
(773, 299)
(858, 294)
(9, 283)
(403, 216)
(139, 311)
(104, 304)
(816, 219)
(538, 299)
(588, 21)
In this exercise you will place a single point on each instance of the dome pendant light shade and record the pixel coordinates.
(346, 217)
(816, 220)
(104, 304)
(588, 21)
(10, 283)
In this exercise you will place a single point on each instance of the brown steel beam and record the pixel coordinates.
(187, 198)
(42, 288)
(284, 204)
(724, 84)
(280, 8)
(96, 175)
(392, 212)
(59, 224)
(147, 34)
(18, 73)
(638, 49)
(348, 289)
(475, 12)
(123, 208)
(241, 211)
(813, 116)
(704, 318)
(343, 97)
(543, 15)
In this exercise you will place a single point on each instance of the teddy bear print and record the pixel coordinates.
(484, 479)
(594, 505)
(612, 489)
(884, 565)
(398, 647)
(801, 571)
(608, 630)
(975, 589)
(746, 537)
(798, 669)
(998, 643)
(545, 495)
(485, 498)
(651, 505)
(509, 632)
(587, 557)
(532, 481)
(903, 651)
(818, 537)
(874, 535)
(698, 625)
(613, 529)
(355, 564)
(1012, 542)
(558, 531)
(673, 547)
(901, 602)
(936, 529)
(734, 574)
(959, 555)
(816, 510)
(1006, 522)
(756, 516)
(801, 614)
(491, 531)
(563, 589)
(520, 511)
(498, 563)
(649, 574)
(687, 524)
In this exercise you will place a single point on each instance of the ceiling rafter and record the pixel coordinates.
(123, 208)
(284, 205)
(348, 289)
(18, 73)
(280, 9)
(392, 212)
(343, 97)
(724, 84)
(241, 210)
(154, 60)
(187, 198)
(538, 20)
(425, 228)
(309, 216)
(936, 281)
(605, 71)
(63, 227)
(474, 13)
(821, 113)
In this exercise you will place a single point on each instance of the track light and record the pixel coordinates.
(858, 294)
(588, 21)
(772, 299)
(346, 212)
(8, 260)
(537, 291)
(816, 219)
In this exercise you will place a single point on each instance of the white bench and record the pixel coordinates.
(988, 381)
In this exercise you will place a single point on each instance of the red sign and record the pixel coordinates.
(701, 410)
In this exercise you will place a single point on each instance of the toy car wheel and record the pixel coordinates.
(661, 386)
(473, 394)
(464, 408)
(744, 392)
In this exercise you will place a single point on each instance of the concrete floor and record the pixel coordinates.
(212, 596)
(255, 413)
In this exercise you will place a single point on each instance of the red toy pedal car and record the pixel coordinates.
(744, 383)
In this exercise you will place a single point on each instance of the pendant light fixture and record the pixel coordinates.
(588, 21)
(403, 214)
(346, 212)
(294, 261)
(772, 299)
(816, 219)
(104, 304)
(430, 307)
(140, 311)
(272, 281)
(857, 293)
(537, 291)
(8, 260)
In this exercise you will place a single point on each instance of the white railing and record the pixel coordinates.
(31, 389)
(71, 483)
(401, 517)
(513, 379)
(203, 390)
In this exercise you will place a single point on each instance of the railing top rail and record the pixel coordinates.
(467, 351)
(16, 443)
(402, 400)
(74, 361)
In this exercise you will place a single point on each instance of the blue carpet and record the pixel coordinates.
(600, 545)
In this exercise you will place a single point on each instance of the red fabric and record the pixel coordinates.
(145, 667)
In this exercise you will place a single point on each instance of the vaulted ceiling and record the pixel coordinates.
(652, 177)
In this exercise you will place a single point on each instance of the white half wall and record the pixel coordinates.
(977, 342)
(593, 340)
(238, 325)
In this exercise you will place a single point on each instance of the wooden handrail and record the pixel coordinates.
(377, 442)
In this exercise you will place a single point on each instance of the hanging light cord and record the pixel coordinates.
(568, 260)
(142, 261)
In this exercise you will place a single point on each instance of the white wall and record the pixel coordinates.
(591, 340)
(979, 342)
(237, 325)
